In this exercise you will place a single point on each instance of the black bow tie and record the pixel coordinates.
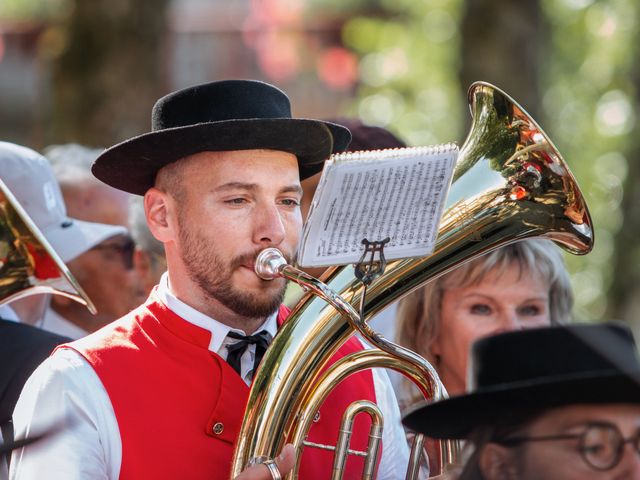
(261, 340)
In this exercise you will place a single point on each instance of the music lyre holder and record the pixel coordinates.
(367, 270)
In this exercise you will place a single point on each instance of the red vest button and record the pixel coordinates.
(218, 428)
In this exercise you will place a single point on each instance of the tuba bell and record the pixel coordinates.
(510, 183)
(28, 263)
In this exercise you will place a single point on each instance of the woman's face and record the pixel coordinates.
(511, 300)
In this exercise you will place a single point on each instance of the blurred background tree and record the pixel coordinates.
(589, 98)
(569, 62)
(89, 71)
(106, 56)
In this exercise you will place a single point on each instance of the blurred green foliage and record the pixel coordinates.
(409, 72)
(18, 10)
(409, 69)
(589, 108)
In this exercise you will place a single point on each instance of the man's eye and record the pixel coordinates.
(291, 202)
(593, 449)
(480, 309)
(236, 201)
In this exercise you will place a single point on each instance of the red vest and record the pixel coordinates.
(179, 406)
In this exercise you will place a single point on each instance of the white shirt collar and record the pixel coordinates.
(218, 330)
(56, 323)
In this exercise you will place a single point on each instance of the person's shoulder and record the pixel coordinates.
(65, 370)
(63, 361)
(22, 349)
(21, 341)
(108, 335)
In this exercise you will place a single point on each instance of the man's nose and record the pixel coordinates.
(270, 228)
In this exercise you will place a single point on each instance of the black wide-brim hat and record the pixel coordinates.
(219, 116)
(536, 369)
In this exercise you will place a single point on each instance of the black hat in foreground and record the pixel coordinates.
(218, 116)
(539, 368)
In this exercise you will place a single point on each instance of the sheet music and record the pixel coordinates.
(396, 193)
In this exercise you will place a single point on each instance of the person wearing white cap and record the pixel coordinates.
(30, 178)
(22, 346)
(86, 197)
(106, 272)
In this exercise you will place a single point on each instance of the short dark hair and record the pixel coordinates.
(368, 137)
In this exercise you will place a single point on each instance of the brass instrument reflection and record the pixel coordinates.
(28, 263)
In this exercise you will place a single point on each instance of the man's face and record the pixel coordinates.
(234, 205)
(562, 459)
(105, 273)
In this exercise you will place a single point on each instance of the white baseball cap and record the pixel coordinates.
(31, 180)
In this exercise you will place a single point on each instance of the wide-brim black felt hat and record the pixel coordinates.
(536, 369)
(219, 116)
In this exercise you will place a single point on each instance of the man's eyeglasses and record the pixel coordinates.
(124, 247)
(601, 445)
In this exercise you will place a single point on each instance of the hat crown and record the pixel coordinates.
(541, 355)
(219, 117)
(220, 101)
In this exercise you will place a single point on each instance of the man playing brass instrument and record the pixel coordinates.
(151, 395)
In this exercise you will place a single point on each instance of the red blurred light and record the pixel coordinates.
(338, 68)
(278, 56)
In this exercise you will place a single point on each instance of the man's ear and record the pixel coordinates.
(497, 462)
(159, 210)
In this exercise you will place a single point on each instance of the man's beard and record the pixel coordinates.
(214, 277)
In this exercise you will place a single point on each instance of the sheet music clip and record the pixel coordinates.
(368, 270)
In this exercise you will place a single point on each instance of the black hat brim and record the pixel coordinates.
(457, 417)
(133, 164)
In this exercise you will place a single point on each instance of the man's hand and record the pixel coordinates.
(285, 462)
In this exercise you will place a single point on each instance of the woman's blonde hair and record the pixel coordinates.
(418, 316)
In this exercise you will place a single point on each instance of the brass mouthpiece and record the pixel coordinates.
(269, 263)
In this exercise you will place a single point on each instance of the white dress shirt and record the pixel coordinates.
(56, 323)
(219, 331)
(65, 388)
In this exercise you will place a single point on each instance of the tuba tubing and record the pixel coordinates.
(510, 183)
(270, 264)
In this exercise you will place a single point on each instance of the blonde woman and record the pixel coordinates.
(518, 286)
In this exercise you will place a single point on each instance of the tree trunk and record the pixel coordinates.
(502, 43)
(109, 75)
(624, 293)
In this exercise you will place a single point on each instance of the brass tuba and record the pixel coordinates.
(510, 183)
(28, 264)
